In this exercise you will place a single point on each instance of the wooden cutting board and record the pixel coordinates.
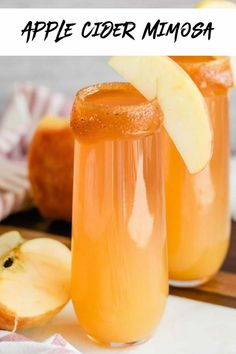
(220, 290)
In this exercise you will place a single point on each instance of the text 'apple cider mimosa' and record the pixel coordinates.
(119, 266)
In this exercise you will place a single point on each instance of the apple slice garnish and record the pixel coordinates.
(214, 4)
(34, 280)
(186, 117)
(217, 4)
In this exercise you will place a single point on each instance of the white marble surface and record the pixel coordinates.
(188, 327)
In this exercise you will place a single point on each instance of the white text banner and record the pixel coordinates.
(76, 32)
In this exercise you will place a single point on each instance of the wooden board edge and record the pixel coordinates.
(224, 283)
(194, 294)
(220, 290)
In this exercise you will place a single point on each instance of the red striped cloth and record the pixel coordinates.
(25, 108)
(13, 343)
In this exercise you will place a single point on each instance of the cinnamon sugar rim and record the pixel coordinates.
(94, 121)
(210, 74)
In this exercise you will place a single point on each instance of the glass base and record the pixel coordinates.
(188, 283)
(117, 345)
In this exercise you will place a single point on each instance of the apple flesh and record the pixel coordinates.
(184, 109)
(34, 280)
(9, 241)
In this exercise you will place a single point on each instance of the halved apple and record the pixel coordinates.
(34, 280)
(185, 113)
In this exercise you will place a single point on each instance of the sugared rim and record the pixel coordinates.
(92, 121)
(210, 74)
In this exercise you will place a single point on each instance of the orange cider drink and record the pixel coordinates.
(197, 206)
(119, 257)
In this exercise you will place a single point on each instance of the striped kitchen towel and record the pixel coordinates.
(13, 343)
(26, 106)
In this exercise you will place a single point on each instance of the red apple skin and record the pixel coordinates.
(50, 161)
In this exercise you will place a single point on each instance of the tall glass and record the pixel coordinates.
(119, 267)
(197, 206)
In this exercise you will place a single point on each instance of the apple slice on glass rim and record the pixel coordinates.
(186, 117)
